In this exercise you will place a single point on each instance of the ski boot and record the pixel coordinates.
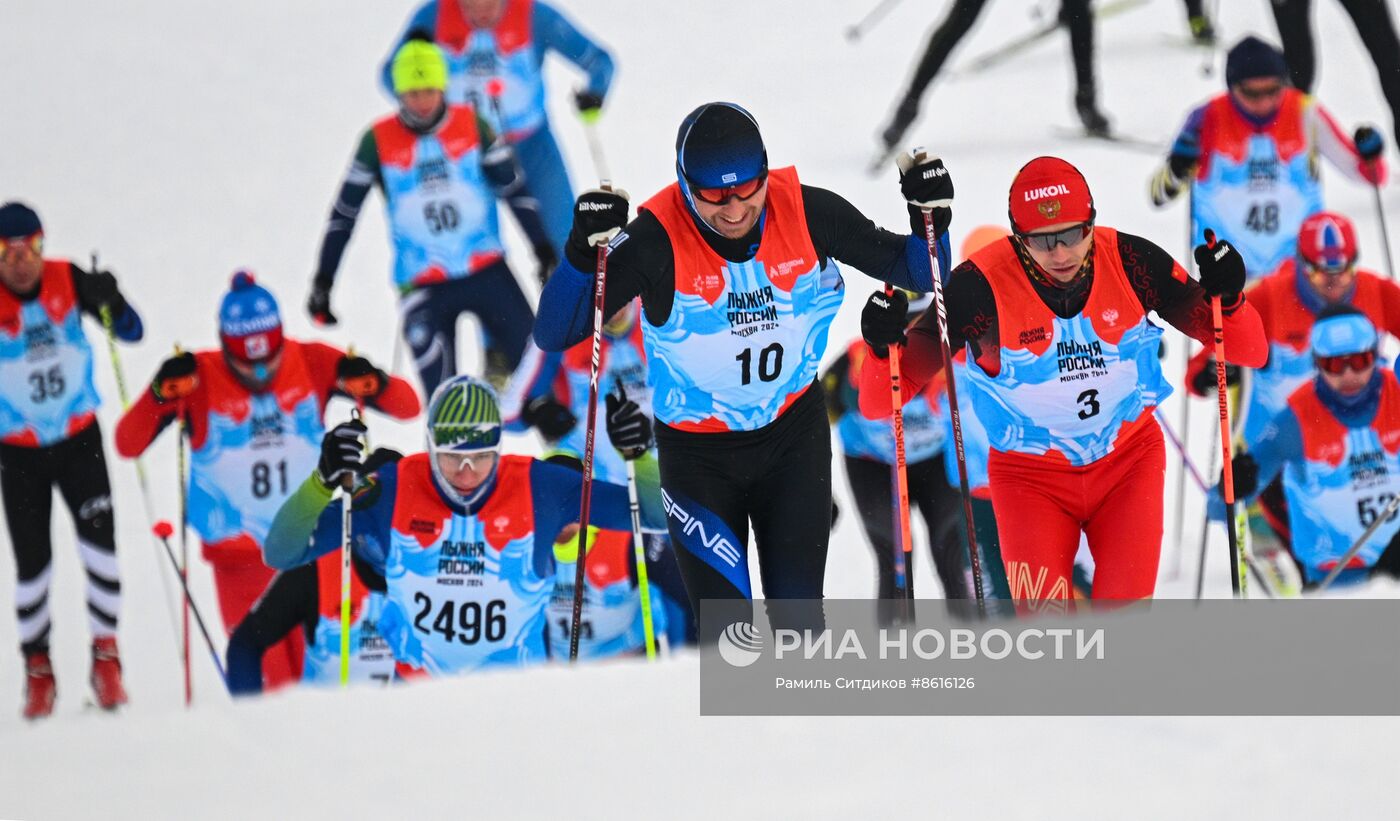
(1095, 123)
(40, 687)
(107, 673)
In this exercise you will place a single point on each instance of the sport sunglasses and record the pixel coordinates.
(720, 196)
(1047, 241)
(1260, 93)
(34, 243)
(1338, 365)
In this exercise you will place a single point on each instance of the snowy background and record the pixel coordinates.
(185, 139)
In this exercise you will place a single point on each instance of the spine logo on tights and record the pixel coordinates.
(716, 543)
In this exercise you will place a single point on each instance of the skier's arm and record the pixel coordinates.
(1338, 148)
(142, 423)
(307, 526)
(98, 288)
(639, 262)
(1280, 444)
(364, 173)
(556, 491)
(971, 321)
(422, 25)
(1180, 166)
(287, 603)
(1164, 286)
(554, 31)
(840, 231)
(533, 378)
(396, 397)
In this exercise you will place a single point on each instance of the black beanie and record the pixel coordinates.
(1251, 58)
(18, 220)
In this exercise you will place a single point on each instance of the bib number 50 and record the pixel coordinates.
(467, 622)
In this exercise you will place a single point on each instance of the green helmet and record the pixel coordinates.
(417, 65)
(464, 417)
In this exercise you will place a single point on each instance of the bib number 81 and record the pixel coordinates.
(466, 622)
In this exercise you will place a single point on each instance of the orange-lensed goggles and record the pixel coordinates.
(17, 246)
(720, 196)
(1338, 365)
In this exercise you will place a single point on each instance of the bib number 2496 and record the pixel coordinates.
(467, 622)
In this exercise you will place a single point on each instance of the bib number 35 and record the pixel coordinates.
(467, 622)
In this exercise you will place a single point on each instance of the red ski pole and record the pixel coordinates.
(904, 548)
(1226, 446)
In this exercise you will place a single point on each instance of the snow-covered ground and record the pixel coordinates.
(184, 139)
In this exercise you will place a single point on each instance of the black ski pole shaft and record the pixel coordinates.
(595, 363)
(947, 348)
(1385, 232)
(864, 24)
(163, 531)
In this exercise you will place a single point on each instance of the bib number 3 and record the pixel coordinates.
(1089, 404)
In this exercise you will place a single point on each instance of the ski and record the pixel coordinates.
(1006, 51)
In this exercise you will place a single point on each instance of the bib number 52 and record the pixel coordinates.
(467, 622)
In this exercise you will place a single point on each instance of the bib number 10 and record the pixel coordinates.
(770, 364)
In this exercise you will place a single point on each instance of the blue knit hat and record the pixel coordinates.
(18, 220)
(1252, 58)
(250, 325)
(718, 144)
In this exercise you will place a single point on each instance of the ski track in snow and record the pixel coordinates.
(183, 140)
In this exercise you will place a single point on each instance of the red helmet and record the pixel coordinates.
(1327, 242)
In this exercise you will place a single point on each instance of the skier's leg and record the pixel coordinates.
(953, 28)
(28, 498)
(430, 329)
(705, 516)
(790, 502)
(1377, 30)
(870, 487)
(1294, 19)
(493, 295)
(547, 178)
(940, 504)
(1125, 526)
(83, 481)
(1038, 529)
(1078, 17)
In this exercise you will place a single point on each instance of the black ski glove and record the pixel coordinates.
(598, 217)
(1369, 142)
(97, 289)
(1222, 270)
(629, 429)
(1246, 475)
(341, 451)
(318, 304)
(590, 105)
(1203, 383)
(175, 379)
(925, 183)
(549, 416)
(883, 320)
(545, 262)
(359, 379)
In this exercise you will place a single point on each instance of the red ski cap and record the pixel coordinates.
(1049, 191)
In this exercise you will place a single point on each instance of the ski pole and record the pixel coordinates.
(1385, 233)
(163, 530)
(1360, 542)
(184, 546)
(1226, 445)
(1187, 466)
(1179, 521)
(639, 552)
(1205, 534)
(109, 328)
(347, 498)
(932, 242)
(595, 362)
(864, 24)
(904, 547)
(595, 146)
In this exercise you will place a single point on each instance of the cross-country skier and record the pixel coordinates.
(1249, 157)
(49, 435)
(308, 597)
(1074, 15)
(1054, 321)
(1373, 25)
(504, 42)
(253, 411)
(441, 169)
(1337, 444)
(735, 266)
(462, 534)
